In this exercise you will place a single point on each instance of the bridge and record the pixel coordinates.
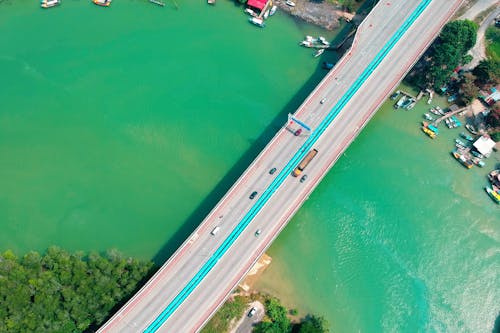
(200, 275)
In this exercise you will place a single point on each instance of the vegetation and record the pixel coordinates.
(493, 43)
(230, 310)
(447, 52)
(63, 292)
(487, 72)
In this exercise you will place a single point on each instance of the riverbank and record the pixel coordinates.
(323, 14)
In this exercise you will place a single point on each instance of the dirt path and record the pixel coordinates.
(478, 52)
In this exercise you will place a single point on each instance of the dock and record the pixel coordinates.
(448, 115)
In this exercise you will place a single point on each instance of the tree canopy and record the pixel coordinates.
(447, 52)
(63, 292)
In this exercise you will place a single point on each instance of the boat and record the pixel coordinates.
(461, 143)
(162, 4)
(266, 14)
(434, 111)
(49, 3)
(395, 95)
(210, 2)
(273, 10)
(494, 175)
(323, 41)
(327, 65)
(306, 43)
(433, 128)
(477, 154)
(439, 110)
(466, 136)
(428, 117)
(257, 21)
(104, 3)
(471, 129)
(477, 161)
(456, 121)
(318, 53)
(400, 102)
(250, 12)
(462, 159)
(412, 104)
(427, 131)
(493, 194)
(290, 3)
(309, 38)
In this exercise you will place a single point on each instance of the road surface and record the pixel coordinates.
(195, 281)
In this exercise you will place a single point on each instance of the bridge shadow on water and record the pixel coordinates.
(258, 144)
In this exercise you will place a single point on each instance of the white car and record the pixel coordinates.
(252, 312)
(322, 101)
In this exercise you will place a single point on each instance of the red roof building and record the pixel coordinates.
(259, 4)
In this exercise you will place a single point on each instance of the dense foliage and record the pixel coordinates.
(447, 52)
(487, 72)
(63, 292)
(278, 321)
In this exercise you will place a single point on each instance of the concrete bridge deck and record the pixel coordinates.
(195, 281)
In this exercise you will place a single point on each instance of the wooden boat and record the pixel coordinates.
(104, 3)
(49, 3)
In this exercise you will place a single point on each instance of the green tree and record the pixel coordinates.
(447, 52)
(63, 292)
(277, 322)
(314, 324)
(487, 71)
(468, 88)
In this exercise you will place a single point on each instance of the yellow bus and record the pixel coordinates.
(305, 161)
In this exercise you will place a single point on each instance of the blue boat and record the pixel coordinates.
(466, 136)
(433, 128)
(327, 65)
(456, 121)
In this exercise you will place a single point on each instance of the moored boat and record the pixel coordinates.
(493, 194)
(471, 129)
(327, 65)
(290, 3)
(104, 3)
(395, 95)
(461, 143)
(466, 136)
(428, 117)
(210, 2)
(49, 3)
(257, 21)
(427, 131)
(273, 10)
(161, 3)
(318, 53)
(250, 12)
(462, 159)
(400, 102)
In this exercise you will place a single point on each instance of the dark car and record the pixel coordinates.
(273, 170)
(297, 132)
(254, 193)
(303, 179)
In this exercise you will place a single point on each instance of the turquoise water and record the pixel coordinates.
(398, 237)
(122, 126)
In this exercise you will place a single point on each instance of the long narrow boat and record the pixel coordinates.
(49, 3)
(104, 3)
(493, 195)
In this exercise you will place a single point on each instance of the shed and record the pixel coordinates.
(259, 4)
(484, 145)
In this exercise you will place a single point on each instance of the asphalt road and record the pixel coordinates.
(373, 34)
(246, 323)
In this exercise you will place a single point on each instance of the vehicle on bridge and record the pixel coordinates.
(305, 161)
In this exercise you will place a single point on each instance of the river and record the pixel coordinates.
(121, 127)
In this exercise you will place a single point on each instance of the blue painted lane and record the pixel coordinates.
(280, 178)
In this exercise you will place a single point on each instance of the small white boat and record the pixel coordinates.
(266, 14)
(211, 2)
(49, 3)
(273, 10)
(323, 41)
(290, 3)
(257, 21)
(428, 117)
(318, 53)
(306, 43)
(309, 39)
(250, 12)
